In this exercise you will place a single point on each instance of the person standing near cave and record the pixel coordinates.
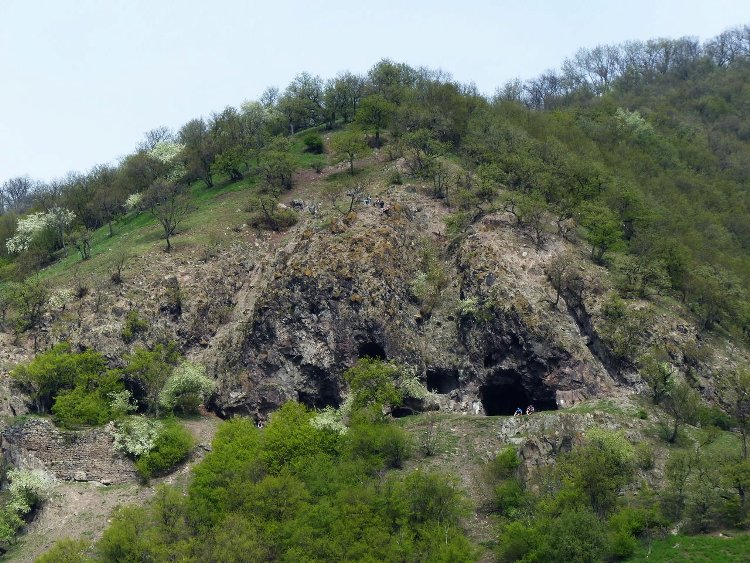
(518, 412)
(530, 410)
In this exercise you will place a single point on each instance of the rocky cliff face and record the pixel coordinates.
(478, 329)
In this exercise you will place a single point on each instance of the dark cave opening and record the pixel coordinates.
(503, 398)
(442, 381)
(372, 350)
(324, 398)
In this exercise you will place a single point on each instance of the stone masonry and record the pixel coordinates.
(83, 455)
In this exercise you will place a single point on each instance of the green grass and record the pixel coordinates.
(696, 549)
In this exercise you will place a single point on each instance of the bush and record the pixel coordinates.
(137, 435)
(27, 490)
(66, 551)
(313, 143)
(171, 447)
(373, 384)
(379, 444)
(290, 437)
(76, 386)
(133, 327)
(147, 371)
(186, 389)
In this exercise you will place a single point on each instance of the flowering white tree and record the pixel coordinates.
(168, 153)
(187, 388)
(133, 201)
(58, 218)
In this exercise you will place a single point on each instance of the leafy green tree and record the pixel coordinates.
(375, 114)
(57, 370)
(200, 150)
(658, 374)
(147, 370)
(372, 383)
(682, 405)
(734, 387)
(603, 231)
(348, 145)
(276, 165)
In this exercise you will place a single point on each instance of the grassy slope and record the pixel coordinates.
(717, 549)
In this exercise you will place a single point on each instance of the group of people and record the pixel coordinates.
(529, 410)
(377, 202)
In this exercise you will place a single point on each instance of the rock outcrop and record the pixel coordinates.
(481, 333)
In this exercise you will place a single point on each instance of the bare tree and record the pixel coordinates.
(17, 191)
(154, 137)
(169, 204)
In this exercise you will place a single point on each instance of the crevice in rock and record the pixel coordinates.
(598, 349)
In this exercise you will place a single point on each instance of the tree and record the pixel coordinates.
(276, 165)
(603, 230)
(348, 145)
(658, 374)
(734, 389)
(302, 102)
(373, 384)
(16, 193)
(682, 404)
(375, 114)
(199, 150)
(557, 273)
(169, 204)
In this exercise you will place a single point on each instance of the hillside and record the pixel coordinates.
(368, 279)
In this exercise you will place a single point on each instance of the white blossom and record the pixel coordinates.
(188, 380)
(137, 435)
(60, 298)
(31, 225)
(166, 151)
(133, 201)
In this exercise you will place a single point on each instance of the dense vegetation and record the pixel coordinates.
(300, 489)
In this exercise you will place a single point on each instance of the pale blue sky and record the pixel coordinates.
(82, 80)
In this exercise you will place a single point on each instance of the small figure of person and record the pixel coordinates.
(530, 409)
(518, 412)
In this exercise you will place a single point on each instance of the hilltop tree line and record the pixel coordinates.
(641, 149)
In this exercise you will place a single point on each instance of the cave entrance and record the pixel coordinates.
(372, 350)
(442, 381)
(503, 398)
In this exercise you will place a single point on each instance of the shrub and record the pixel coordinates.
(378, 444)
(58, 371)
(373, 384)
(186, 389)
(290, 437)
(313, 143)
(66, 551)
(171, 447)
(147, 371)
(89, 402)
(137, 435)
(27, 489)
(133, 327)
